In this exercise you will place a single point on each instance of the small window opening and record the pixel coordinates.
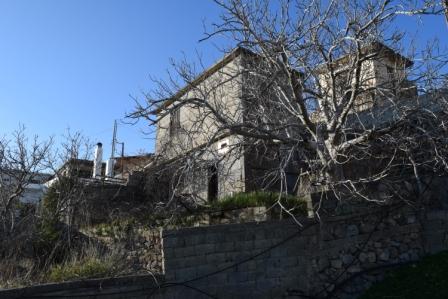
(213, 182)
(174, 121)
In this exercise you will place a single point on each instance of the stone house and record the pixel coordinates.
(383, 76)
(230, 166)
(178, 132)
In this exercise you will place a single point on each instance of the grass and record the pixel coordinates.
(91, 264)
(258, 199)
(90, 268)
(427, 278)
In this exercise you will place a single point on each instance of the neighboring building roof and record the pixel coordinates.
(137, 160)
(83, 167)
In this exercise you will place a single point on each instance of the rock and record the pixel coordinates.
(409, 186)
(363, 257)
(394, 243)
(367, 227)
(352, 230)
(393, 252)
(404, 256)
(403, 247)
(384, 255)
(392, 222)
(329, 287)
(354, 269)
(347, 259)
(339, 232)
(414, 255)
(371, 257)
(411, 219)
(323, 263)
(337, 264)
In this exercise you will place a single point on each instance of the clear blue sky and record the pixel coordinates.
(75, 63)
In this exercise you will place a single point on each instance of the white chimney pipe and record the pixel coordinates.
(110, 168)
(98, 160)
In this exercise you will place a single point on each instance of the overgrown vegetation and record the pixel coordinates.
(275, 204)
(92, 263)
(48, 232)
(116, 227)
(260, 199)
(427, 278)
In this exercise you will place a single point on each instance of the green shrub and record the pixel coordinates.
(427, 278)
(48, 231)
(257, 199)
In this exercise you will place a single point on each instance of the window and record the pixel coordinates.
(223, 146)
(390, 73)
(390, 70)
(174, 121)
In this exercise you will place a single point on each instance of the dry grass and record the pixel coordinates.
(92, 262)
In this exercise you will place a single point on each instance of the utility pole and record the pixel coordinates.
(110, 163)
(114, 140)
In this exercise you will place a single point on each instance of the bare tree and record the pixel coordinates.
(21, 161)
(68, 165)
(320, 90)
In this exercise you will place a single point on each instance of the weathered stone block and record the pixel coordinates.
(267, 284)
(204, 249)
(262, 244)
(352, 230)
(173, 241)
(337, 264)
(225, 247)
(347, 258)
(184, 251)
(216, 258)
(384, 255)
(186, 273)
(287, 262)
(237, 277)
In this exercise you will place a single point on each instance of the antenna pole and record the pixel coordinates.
(114, 140)
(110, 162)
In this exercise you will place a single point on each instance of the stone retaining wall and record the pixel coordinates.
(282, 259)
(130, 287)
(142, 245)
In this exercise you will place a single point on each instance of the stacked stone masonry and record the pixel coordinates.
(338, 256)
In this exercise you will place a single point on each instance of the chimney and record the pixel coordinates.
(110, 167)
(98, 160)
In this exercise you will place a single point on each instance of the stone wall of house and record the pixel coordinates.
(339, 255)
